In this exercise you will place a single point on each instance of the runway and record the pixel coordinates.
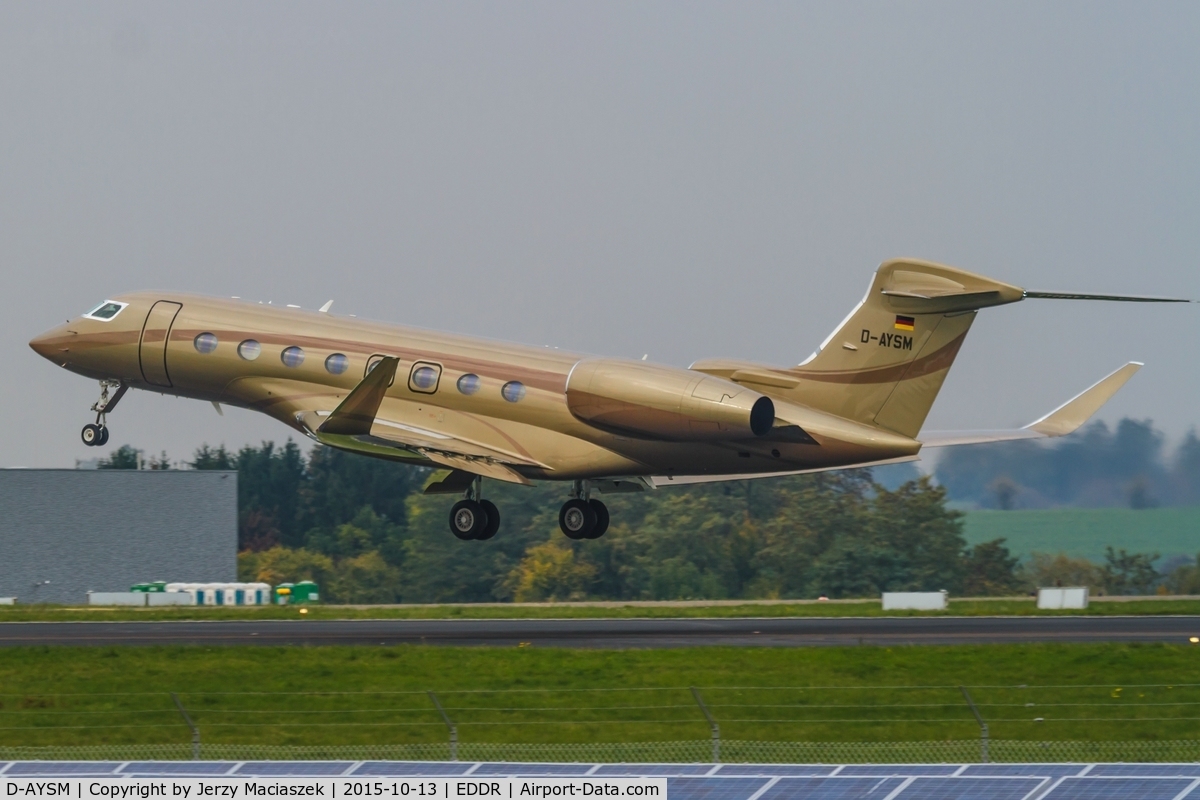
(614, 633)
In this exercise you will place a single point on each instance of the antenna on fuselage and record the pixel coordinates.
(325, 308)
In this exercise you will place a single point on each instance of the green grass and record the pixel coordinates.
(841, 608)
(376, 695)
(1087, 531)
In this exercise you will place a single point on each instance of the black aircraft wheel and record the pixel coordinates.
(103, 437)
(467, 519)
(601, 512)
(493, 519)
(91, 434)
(577, 519)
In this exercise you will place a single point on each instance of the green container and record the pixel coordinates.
(157, 586)
(306, 592)
(283, 593)
(140, 587)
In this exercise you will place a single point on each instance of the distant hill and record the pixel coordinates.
(1087, 531)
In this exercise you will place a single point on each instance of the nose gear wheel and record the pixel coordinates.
(96, 434)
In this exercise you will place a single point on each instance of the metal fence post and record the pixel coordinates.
(983, 729)
(190, 724)
(449, 724)
(716, 729)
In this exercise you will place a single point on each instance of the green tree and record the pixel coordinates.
(991, 571)
(1129, 573)
(1185, 579)
(124, 457)
(283, 565)
(207, 458)
(364, 579)
(550, 571)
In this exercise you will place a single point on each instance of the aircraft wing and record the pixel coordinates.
(1065, 419)
(366, 421)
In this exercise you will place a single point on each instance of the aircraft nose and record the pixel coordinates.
(51, 344)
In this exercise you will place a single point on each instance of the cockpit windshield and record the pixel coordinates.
(106, 310)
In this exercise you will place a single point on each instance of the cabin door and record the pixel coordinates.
(152, 351)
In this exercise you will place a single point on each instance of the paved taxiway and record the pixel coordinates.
(614, 633)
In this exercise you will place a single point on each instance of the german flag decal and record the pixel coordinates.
(904, 323)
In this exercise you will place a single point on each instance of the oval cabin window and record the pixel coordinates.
(513, 391)
(249, 349)
(468, 384)
(424, 378)
(336, 364)
(292, 357)
(205, 343)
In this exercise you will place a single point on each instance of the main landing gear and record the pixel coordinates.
(96, 435)
(582, 517)
(473, 517)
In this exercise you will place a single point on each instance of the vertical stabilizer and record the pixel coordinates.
(887, 361)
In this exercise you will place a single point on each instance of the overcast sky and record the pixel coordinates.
(680, 179)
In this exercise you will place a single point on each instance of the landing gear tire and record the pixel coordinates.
(103, 436)
(91, 434)
(468, 520)
(577, 519)
(493, 520)
(601, 512)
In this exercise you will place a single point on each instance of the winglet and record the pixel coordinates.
(1076, 411)
(355, 414)
(325, 308)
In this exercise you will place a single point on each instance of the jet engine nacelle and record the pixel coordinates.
(664, 402)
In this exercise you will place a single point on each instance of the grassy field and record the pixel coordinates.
(357, 695)
(836, 608)
(1087, 531)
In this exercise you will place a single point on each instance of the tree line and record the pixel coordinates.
(1097, 467)
(363, 529)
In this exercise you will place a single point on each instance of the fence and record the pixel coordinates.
(781, 724)
(696, 751)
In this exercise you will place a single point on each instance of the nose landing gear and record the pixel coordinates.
(96, 435)
(474, 518)
(582, 517)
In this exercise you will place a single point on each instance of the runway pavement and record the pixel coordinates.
(614, 633)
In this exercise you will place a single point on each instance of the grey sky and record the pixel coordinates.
(679, 179)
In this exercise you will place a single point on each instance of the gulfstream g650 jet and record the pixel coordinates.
(476, 408)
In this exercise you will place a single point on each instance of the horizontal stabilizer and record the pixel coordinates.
(1065, 419)
(1119, 298)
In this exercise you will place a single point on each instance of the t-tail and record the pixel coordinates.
(887, 361)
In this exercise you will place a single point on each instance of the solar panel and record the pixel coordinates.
(970, 788)
(713, 788)
(517, 768)
(406, 768)
(900, 769)
(1147, 770)
(1117, 789)
(862, 788)
(63, 768)
(613, 770)
(188, 768)
(315, 768)
(798, 770)
(1032, 770)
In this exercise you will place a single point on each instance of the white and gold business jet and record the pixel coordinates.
(475, 408)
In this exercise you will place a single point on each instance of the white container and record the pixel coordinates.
(8, 601)
(117, 598)
(1063, 597)
(916, 601)
(224, 594)
(170, 599)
